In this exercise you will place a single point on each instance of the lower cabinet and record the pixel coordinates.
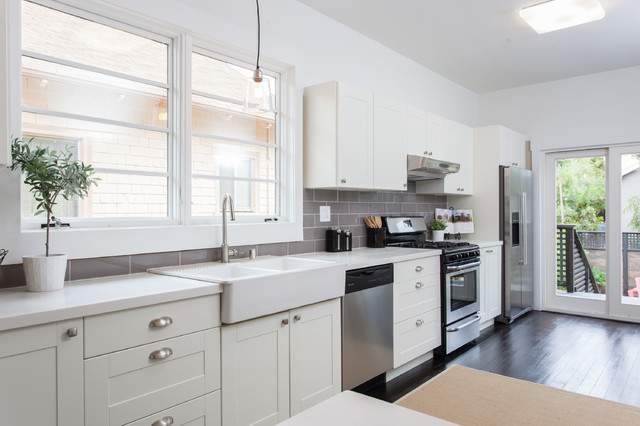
(41, 375)
(490, 283)
(279, 365)
(416, 309)
(156, 365)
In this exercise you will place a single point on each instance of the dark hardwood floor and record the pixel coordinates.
(590, 356)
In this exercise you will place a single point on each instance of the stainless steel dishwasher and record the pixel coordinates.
(367, 324)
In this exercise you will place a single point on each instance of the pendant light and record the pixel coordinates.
(258, 98)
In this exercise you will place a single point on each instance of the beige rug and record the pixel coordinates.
(471, 397)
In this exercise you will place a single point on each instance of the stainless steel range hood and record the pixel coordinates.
(424, 168)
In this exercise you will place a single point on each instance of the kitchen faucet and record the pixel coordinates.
(225, 247)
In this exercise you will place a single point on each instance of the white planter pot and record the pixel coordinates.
(44, 273)
(437, 235)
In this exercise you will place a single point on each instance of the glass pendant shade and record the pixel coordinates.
(258, 98)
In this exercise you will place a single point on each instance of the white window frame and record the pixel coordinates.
(116, 237)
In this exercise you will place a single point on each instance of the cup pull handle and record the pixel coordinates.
(161, 353)
(161, 322)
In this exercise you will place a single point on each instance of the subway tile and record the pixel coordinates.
(299, 247)
(276, 249)
(320, 245)
(377, 208)
(385, 197)
(99, 267)
(312, 207)
(368, 197)
(325, 195)
(337, 208)
(12, 276)
(190, 257)
(358, 207)
(348, 196)
(349, 219)
(308, 220)
(332, 222)
(307, 194)
(409, 208)
(142, 262)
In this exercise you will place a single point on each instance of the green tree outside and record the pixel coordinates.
(580, 192)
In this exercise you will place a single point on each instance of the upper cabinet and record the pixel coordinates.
(425, 134)
(456, 146)
(513, 146)
(353, 139)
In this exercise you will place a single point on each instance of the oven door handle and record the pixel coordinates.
(466, 324)
(463, 267)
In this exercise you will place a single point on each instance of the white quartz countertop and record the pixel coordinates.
(364, 257)
(20, 308)
(354, 409)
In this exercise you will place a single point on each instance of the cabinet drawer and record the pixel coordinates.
(412, 269)
(415, 336)
(115, 331)
(125, 386)
(197, 412)
(413, 297)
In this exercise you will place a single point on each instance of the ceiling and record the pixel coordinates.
(485, 46)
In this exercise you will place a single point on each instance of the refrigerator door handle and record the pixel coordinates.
(524, 227)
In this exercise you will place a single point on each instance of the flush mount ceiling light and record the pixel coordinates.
(555, 15)
(258, 97)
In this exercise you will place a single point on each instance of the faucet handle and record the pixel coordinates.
(233, 252)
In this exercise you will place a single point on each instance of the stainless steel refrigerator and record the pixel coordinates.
(516, 232)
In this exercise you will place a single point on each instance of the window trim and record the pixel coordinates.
(122, 237)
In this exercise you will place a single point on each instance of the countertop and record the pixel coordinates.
(20, 308)
(354, 409)
(364, 257)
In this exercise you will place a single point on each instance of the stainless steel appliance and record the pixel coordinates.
(516, 233)
(425, 168)
(367, 324)
(459, 274)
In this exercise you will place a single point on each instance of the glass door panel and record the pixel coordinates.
(630, 228)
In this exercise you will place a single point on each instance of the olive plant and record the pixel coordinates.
(51, 174)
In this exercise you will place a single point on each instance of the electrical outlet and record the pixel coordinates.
(325, 213)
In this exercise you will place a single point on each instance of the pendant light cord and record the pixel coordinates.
(258, 13)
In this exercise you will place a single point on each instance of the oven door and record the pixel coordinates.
(461, 290)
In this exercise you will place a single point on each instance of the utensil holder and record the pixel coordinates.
(376, 237)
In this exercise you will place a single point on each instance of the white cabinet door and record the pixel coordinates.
(389, 144)
(512, 148)
(315, 353)
(435, 137)
(490, 282)
(465, 149)
(355, 138)
(42, 375)
(417, 131)
(255, 371)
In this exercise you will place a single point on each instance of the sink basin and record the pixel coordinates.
(266, 285)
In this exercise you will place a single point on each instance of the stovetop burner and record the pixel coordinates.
(440, 244)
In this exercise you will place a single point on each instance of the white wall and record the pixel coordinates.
(320, 50)
(594, 110)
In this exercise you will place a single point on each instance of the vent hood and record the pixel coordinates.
(424, 168)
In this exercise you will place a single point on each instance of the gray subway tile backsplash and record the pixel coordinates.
(347, 210)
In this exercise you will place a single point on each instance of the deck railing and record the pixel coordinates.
(573, 268)
(596, 240)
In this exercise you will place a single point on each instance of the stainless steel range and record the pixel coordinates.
(459, 274)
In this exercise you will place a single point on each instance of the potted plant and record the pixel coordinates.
(437, 228)
(50, 174)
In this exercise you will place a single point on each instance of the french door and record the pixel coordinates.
(591, 232)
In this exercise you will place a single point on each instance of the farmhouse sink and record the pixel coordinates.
(267, 285)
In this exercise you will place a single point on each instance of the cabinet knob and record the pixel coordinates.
(426, 153)
(419, 285)
(285, 321)
(165, 421)
(404, 185)
(297, 317)
(489, 251)
(72, 332)
(161, 322)
(343, 180)
(161, 353)
(419, 268)
(419, 322)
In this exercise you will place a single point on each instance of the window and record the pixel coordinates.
(106, 88)
(232, 151)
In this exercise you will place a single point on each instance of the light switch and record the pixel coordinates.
(325, 213)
